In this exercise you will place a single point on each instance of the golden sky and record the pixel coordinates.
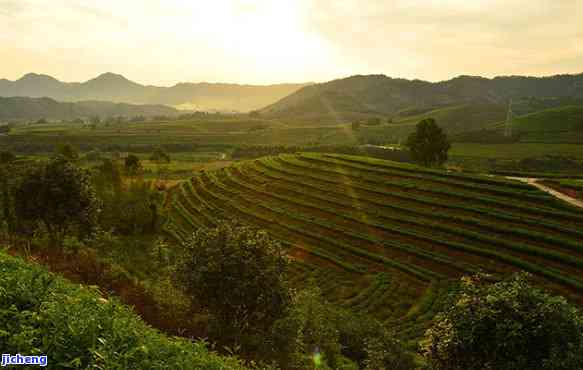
(163, 42)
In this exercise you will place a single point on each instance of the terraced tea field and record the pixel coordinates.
(388, 238)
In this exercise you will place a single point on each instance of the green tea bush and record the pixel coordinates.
(75, 327)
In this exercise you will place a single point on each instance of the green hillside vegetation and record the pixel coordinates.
(561, 125)
(460, 118)
(382, 95)
(386, 238)
(24, 108)
(77, 328)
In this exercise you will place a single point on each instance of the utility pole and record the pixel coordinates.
(509, 119)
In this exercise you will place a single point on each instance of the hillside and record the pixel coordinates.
(21, 108)
(556, 125)
(75, 327)
(387, 238)
(353, 97)
(116, 88)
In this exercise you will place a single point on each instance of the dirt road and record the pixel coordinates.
(557, 194)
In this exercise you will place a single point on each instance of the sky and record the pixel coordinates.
(162, 42)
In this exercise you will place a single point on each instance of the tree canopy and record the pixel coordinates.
(59, 196)
(132, 164)
(506, 325)
(239, 274)
(428, 144)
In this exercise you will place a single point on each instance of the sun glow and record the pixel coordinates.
(271, 36)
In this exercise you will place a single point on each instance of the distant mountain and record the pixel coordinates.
(23, 108)
(116, 88)
(378, 95)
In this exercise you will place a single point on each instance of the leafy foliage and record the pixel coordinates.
(60, 196)
(159, 155)
(429, 144)
(41, 313)
(238, 274)
(132, 164)
(68, 152)
(506, 325)
(130, 209)
(317, 332)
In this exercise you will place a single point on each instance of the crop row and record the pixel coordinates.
(404, 167)
(428, 217)
(431, 256)
(510, 187)
(464, 195)
(435, 257)
(426, 171)
(270, 224)
(305, 173)
(525, 194)
(303, 228)
(549, 273)
(431, 236)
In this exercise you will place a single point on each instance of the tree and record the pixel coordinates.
(159, 155)
(506, 325)
(68, 152)
(60, 196)
(132, 164)
(307, 334)
(313, 325)
(428, 144)
(238, 273)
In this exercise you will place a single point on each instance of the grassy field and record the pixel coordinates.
(234, 131)
(514, 151)
(387, 238)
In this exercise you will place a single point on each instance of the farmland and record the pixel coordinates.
(386, 238)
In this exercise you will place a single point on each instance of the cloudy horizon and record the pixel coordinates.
(156, 42)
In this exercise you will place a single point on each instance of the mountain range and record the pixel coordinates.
(25, 108)
(116, 88)
(378, 95)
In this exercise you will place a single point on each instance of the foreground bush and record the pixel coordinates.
(506, 325)
(41, 313)
(237, 273)
(317, 333)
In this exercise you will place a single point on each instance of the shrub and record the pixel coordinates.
(506, 325)
(238, 273)
(75, 327)
(314, 330)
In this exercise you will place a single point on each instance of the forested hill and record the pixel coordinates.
(21, 108)
(117, 88)
(381, 95)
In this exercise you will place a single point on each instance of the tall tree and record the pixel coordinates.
(59, 196)
(132, 164)
(429, 144)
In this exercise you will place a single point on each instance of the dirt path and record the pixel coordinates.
(557, 194)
